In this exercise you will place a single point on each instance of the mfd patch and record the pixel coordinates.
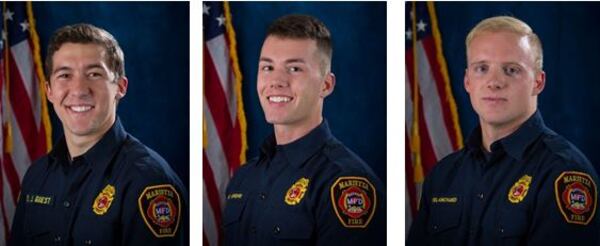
(295, 193)
(354, 200)
(104, 200)
(160, 207)
(576, 197)
(519, 190)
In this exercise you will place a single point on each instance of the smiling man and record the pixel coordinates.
(99, 185)
(305, 187)
(516, 182)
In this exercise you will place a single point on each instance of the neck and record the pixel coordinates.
(491, 133)
(285, 134)
(78, 145)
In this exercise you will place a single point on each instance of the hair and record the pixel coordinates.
(305, 27)
(509, 24)
(83, 33)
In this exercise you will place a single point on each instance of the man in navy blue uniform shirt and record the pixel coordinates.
(99, 185)
(305, 187)
(516, 182)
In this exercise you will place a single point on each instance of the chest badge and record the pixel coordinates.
(295, 193)
(104, 200)
(518, 191)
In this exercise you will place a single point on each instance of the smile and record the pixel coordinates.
(80, 108)
(279, 99)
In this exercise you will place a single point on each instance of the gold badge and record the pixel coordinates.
(103, 200)
(295, 193)
(519, 190)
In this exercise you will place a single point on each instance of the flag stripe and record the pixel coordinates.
(215, 155)
(212, 193)
(22, 108)
(211, 226)
(220, 57)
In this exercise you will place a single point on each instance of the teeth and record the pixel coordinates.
(80, 109)
(279, 99)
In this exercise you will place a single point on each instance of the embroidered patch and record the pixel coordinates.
(295, 193)
(519, 190)
(576, 197)
(104, 200)
(354, 200)
(160, 207)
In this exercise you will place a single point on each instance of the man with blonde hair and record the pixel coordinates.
(516, 182)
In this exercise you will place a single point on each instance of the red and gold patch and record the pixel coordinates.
(104, 200)
(160, 207)
(519, 190)
(354, 200)
(576, 197)
(295, 193)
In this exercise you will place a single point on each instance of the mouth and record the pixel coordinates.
(80, 108)
(495, 99)
(279, 99)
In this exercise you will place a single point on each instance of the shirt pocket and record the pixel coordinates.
(290, 227)
(444, 219)
(513, 224)
(39, 225)
(233, 211)
(95, 230)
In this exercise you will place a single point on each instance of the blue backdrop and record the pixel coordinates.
(571, 42)
(155, 39)
(356, 111)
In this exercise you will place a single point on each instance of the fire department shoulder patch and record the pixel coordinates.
(354, 200)
(160, 207)
(576, 197)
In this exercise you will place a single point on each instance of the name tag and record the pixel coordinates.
(234, 196)
(444, 199)
(39, 199)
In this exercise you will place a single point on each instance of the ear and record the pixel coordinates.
(122, 87)
(467, 82)
(48, 91)
(328, 85)
(539, 83)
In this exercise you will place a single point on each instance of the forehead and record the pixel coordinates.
(77, 52)
(275, 47)
(503, 46)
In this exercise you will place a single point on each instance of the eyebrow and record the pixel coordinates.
(67, 68)
(292, 60)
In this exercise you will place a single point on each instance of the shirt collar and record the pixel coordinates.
(517, 142)
(300, 150)
(101, 154)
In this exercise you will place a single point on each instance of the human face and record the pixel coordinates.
(291, 84)
(502, 79)
(83, 90)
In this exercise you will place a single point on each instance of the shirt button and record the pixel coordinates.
(57, 239)
(435, 227)
(87, 242)
(276, 230)
(480, 196)
(253, 229)
(501, 230)
(263, 196)
(66, 204)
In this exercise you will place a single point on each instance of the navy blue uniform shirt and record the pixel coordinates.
(534, 188)
(313, 191)
(119, 192)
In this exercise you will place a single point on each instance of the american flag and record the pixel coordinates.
(26, 126)
(224, 121)
(432, 128)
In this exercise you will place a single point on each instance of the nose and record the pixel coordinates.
(79, 86)
(278, 79)
(496, 81)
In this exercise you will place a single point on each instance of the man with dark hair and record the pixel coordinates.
(305, 187)
(99, 185)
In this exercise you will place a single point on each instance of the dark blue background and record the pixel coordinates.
(570, 36)
(155, 39)
(356, 111)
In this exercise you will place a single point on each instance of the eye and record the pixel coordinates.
(294, 69)
(512, 70)
(266, 68)
(95, 75)
(480, 68)
(63, 76)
